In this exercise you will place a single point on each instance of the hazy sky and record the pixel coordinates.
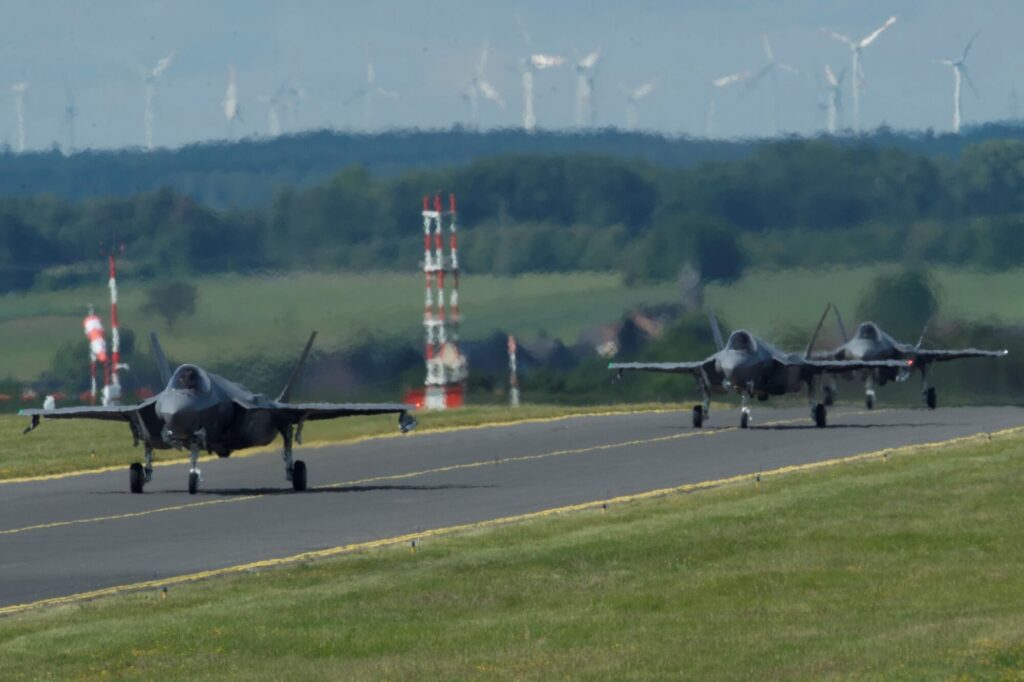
(426, 52)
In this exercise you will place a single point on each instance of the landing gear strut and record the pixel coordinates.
(294, 470)
(744, 410)
(869, 393)
(928, 392)
(818, 410)
(702, 411)
(195, 477)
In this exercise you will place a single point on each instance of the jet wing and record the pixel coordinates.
(314, 411)
(108, 413)
(670, 367)
(922, 356)
(841, 366)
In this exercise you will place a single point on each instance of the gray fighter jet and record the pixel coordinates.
(751, 367)
(871, 343)
(198, 410)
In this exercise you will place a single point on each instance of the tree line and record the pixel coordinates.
(790, 203)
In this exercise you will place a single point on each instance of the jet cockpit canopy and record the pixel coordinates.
(190, 378)
(741, 341)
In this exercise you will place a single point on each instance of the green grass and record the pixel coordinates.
(906, 569)
(62, 446)
(273, 315)
(770, 302)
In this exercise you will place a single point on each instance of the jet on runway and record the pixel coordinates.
(200, 411)
(752, 367)
(871, 343)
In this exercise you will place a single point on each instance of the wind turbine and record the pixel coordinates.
(771, 70)
(585, 69)
(70, 113)
(960, 74)
(635, 95)
(19, 110)
(149, 83)
(479, 85)
(370, 90)
(718, 84)
(230, 102)
(835, 95)
(856, 72)
(284, 100)
(531, 65)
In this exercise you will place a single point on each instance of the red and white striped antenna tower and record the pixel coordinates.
(446, 367)
(112, 391)
(513, 373)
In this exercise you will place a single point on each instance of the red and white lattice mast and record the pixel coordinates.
(446, 366)
(97, 349)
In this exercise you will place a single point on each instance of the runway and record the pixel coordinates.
(87, 532)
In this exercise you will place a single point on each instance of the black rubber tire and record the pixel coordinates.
(193, 483)
(820, 415)
(744, 420)
(299, 476)
(136, 478)
(698, 416)
(869, 401)
(931, 399)
(829, 397)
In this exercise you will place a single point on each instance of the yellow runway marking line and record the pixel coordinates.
(490, 523)
(345, 441)
(386, 477)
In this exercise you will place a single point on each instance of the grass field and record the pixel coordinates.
(768, 303)
(58, 447)
(273, 315)
(903, 569)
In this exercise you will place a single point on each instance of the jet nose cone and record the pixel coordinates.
(177, 413)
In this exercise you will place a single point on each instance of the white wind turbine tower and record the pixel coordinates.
(585, 69)
(835, 95)
(369, 91)
(635, 95)
(149, 83)
(230, 102)
(718, 84)
(959, 75)
(19, 111)
(856, 72)
(273, 118)
(771, 70)
(531, 65)
(480, 86)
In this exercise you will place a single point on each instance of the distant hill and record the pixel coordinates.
(246, 173)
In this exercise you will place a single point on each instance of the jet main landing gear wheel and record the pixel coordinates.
(869, 400)
(820, 418)
(698, 416)
(299, 475)
(193, 483)
(136, 477)
(745, 419)
(930, 398)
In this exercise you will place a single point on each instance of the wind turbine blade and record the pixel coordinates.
(590, 61)
(545, 61)
(730, 79)
(489, 91)
(162, 65)
(878, 31)
(767, 47)
(387, 93)
(840, 37)
(831, 76)
(968, 46)
(970, 83)
(645, 89)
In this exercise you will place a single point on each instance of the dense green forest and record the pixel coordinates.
(244, 173)
(799, 202)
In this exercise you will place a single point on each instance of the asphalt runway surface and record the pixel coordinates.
(82, 533)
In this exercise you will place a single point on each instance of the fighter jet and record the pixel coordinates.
(198, 410)
(871, 343)
(752, 367)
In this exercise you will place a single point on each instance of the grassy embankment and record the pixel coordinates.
(79, 445)
(905, 568)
